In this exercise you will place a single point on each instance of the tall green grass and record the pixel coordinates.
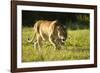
(76, 47)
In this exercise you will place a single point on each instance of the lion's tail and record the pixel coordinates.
(30, 40)
(36, 30)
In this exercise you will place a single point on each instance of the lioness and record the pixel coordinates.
(48, 30)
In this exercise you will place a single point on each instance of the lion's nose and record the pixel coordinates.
(63, 40)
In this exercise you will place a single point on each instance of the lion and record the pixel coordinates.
(48, 30)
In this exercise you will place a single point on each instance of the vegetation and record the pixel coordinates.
(72, 20)
(76, 47)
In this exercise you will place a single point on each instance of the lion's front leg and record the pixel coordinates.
(52, 41)
(58, 42)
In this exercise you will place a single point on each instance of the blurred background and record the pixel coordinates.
(72, 20)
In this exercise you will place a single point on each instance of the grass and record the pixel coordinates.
(76, 47)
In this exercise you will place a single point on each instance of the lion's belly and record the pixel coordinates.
(46, 33)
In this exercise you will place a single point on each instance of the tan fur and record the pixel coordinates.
(47, 30)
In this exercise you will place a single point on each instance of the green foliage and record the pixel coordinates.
(72, 20)
(76, 47)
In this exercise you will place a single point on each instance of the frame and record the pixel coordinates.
(18, 10)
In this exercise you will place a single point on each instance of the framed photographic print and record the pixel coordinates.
(52, 36)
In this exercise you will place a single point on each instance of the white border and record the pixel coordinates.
(53, 63)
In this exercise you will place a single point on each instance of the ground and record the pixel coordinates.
(77, 47)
